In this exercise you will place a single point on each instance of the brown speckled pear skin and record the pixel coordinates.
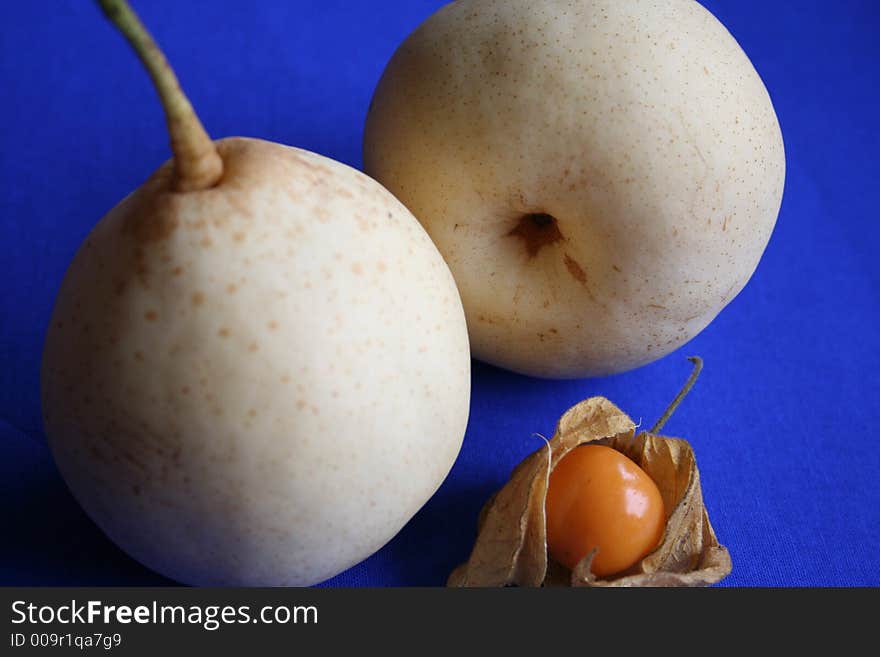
(261, 382)
(602, 176)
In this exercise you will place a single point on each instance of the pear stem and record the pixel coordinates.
(197, 164)
(692, 379)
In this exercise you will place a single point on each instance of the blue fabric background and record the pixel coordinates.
(782, 418)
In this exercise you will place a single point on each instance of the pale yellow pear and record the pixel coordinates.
(602, 176)
(259, 380)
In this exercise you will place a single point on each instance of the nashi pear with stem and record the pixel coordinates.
(257, 368)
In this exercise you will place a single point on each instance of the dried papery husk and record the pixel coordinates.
(511, 545)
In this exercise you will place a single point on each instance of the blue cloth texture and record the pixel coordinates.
(780, 420)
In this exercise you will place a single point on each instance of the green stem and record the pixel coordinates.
(692, 379)
(197, 164)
